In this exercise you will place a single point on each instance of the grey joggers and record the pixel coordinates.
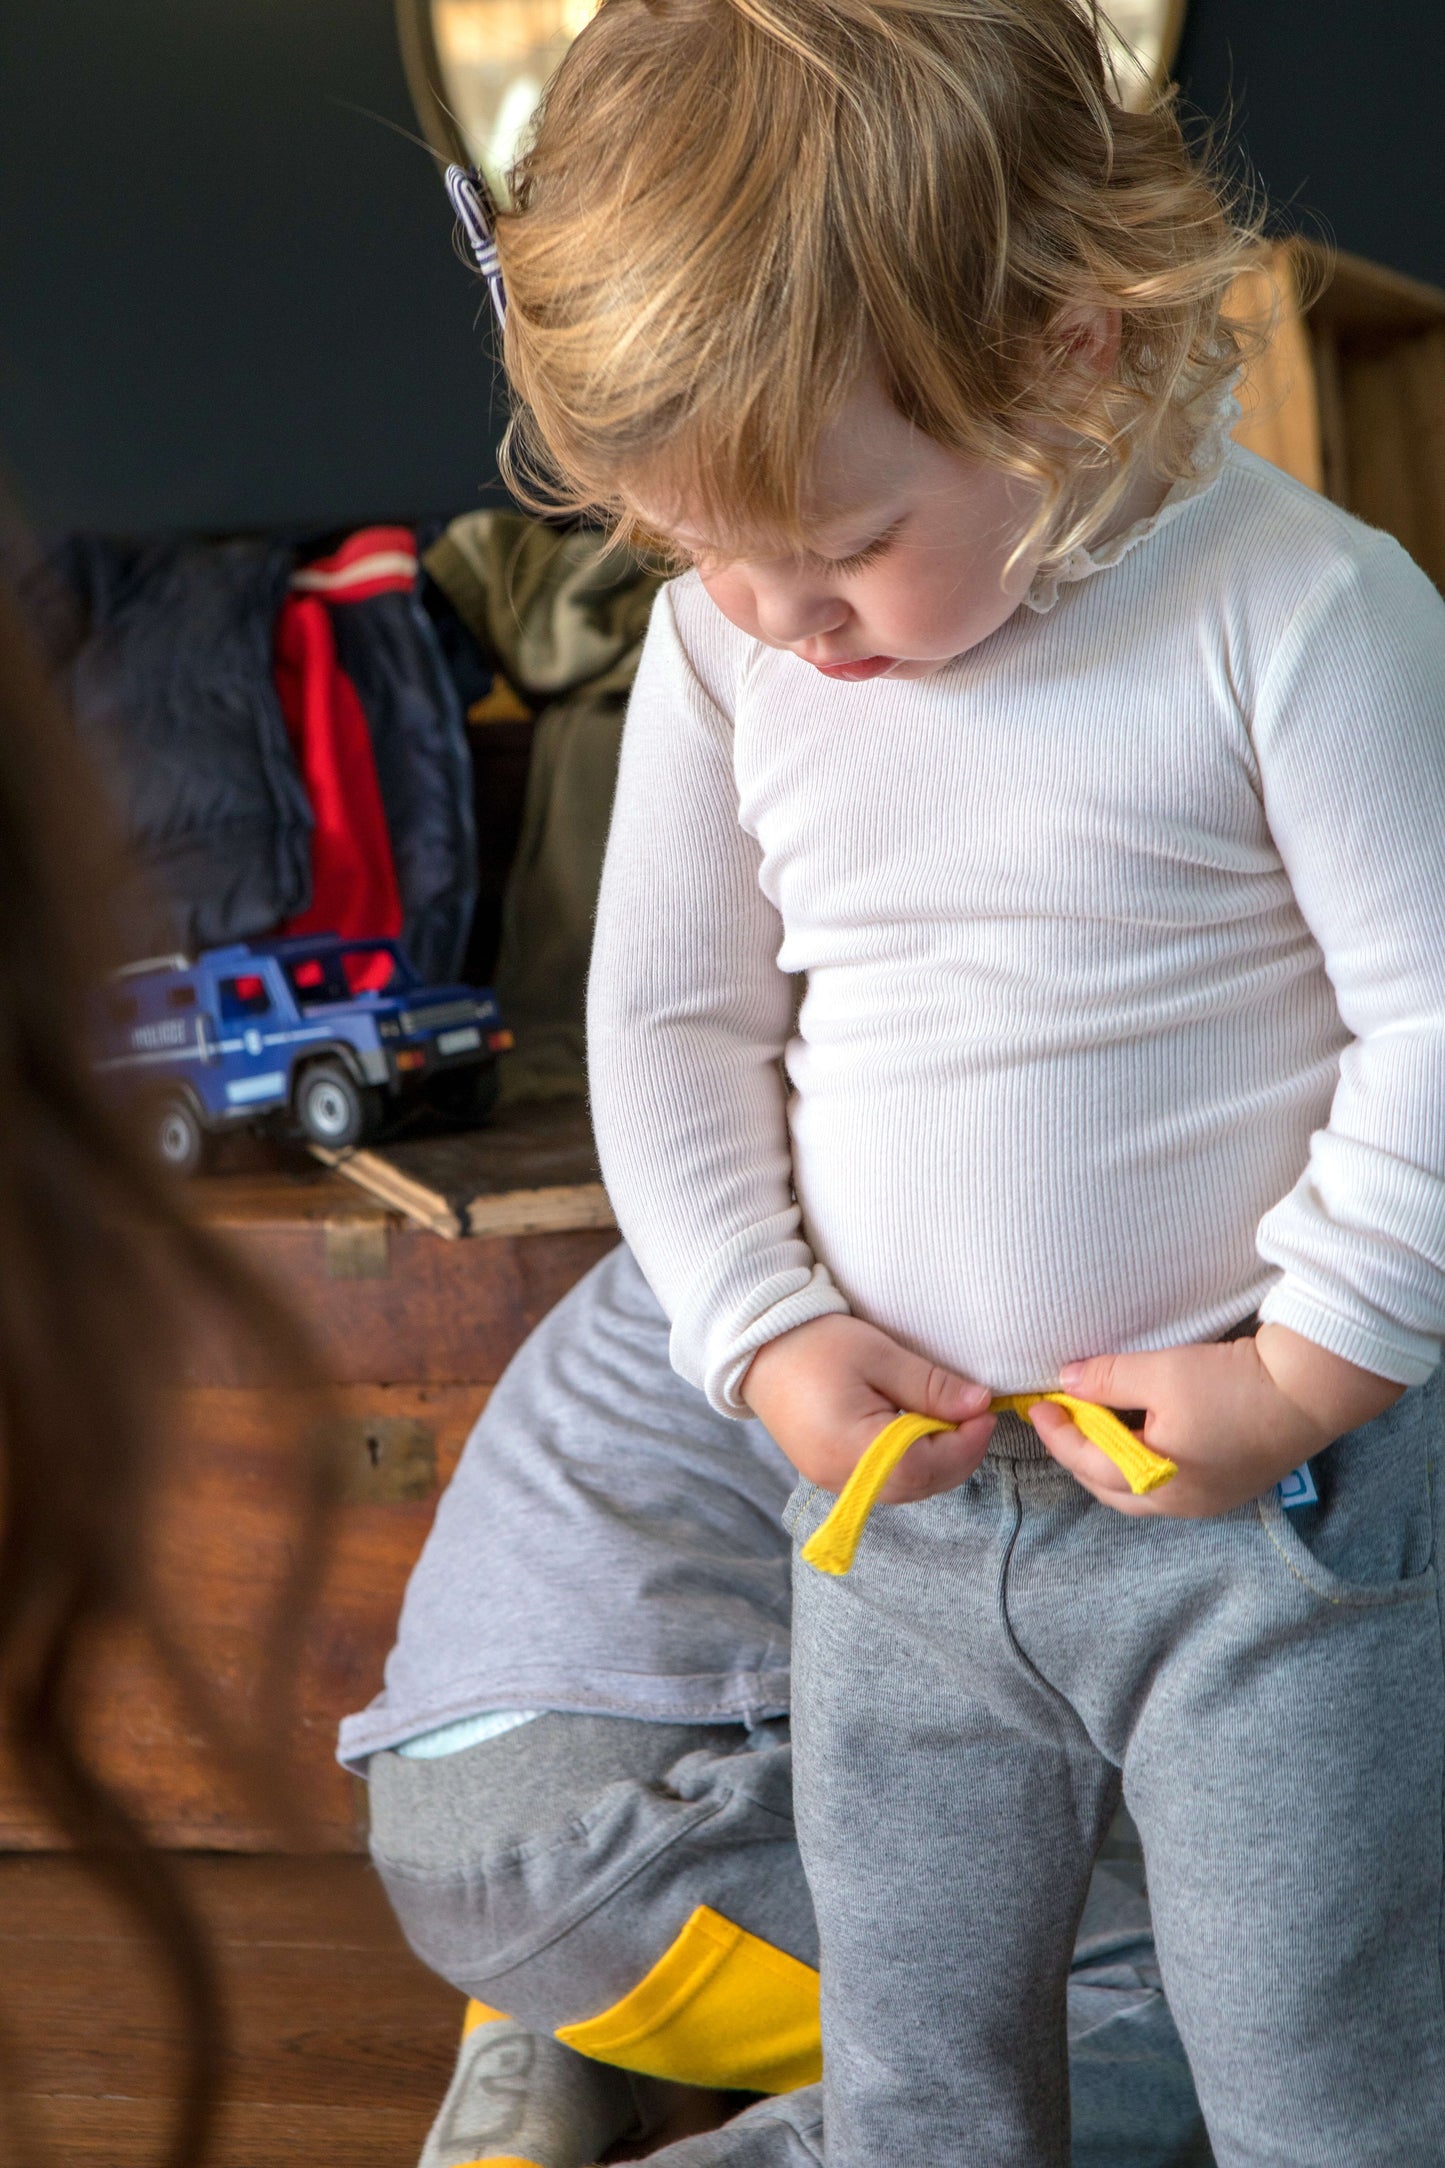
(1270, 1690)
(544, 1876)
(612, 1544)
(548, 1870)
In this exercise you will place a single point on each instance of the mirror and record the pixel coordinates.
(477, 67)
(1143, 36)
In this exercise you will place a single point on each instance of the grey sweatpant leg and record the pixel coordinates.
(610, 1543)
(546, 1871)
(1273, 1693)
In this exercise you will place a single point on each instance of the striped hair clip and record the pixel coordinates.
(471, 199)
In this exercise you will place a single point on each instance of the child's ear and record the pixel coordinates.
(1089, 337)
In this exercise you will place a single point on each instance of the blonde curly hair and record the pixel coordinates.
(731, 210)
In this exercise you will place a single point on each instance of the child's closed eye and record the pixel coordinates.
(861, 559)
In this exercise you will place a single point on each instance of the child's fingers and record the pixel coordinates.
(1072, 1450)
(1115, 1381)
(938, 1463)
(925, 1388)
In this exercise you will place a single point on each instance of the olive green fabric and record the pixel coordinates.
(563, 618)
(547, 913)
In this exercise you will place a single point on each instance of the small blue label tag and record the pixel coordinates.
(1298, 1489)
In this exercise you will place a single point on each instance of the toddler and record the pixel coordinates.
(1089, 776)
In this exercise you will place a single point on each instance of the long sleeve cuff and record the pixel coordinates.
(1376, 1344)
(714, 1340)
(1360, 1244)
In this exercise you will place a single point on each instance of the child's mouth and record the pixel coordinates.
(871, 666)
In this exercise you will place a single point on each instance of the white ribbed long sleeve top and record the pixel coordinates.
(1123, 947)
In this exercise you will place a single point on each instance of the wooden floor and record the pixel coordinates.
(342, 2041)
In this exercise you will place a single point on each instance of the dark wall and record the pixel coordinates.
(227, 297)
(1340, 107)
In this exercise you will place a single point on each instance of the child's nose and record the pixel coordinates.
(791, 615)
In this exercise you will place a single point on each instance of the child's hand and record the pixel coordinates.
(1236, 1417)
(827, 1388)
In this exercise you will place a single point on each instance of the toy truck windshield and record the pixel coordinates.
(339, 972)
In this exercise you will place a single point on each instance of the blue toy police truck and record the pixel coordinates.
(316, 1033)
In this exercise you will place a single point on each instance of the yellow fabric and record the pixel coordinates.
(1141, 1467)
(831, 1546)
(500, 2160)
(481, 2013)
(720, 2007)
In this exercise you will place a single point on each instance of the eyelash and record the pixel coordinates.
(858, 562)
(862, 558)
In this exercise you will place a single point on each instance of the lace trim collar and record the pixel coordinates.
(1082, 563)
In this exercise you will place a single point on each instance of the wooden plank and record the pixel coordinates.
(120, 2133)
(514, 1212)
(371, 1172)
(300, 2020)
(1394, 403)
(387, 1302)
(533, 1170)
(535, 1146)
(542, 1211)
(223, 1547)
(264, 1181)
(445, 1313)
(1350, 396)
(116, 2132)
(280, 1198)
(341, 2041)
(1364, 303)
(1280, 416)
(300, 1901)
(415, 1332)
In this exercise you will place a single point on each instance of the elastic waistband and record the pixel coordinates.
(1014, 1437)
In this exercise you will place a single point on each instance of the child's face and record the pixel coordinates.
(910, 543)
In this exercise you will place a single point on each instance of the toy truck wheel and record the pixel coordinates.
(333, 1109)
(177, 1138)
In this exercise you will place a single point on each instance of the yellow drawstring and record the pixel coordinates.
(831, 1546)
